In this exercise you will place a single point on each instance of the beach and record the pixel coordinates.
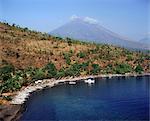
(24, 93)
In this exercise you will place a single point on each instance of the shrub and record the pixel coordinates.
(123, 68)
(13, 25)
(129, 58)
(140, 59)
(147, 57)
(39, 74)
(84, 66)
(109, 69)
(11, 84)
(56, 46)
(8, 98)
(4, 62)
(139, 69)
(81, 54)
(7, 69)
(60, 73)
(96, 69)
(71, 52)
(67, 38)
(25, 29)
(74, 70)
(67, 58)
(69, 42)
(94, 51)
(29, 73)
(43, 38)
(59, 38)
(5, 72)
(51, 70)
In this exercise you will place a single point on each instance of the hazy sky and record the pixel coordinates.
(126, 17)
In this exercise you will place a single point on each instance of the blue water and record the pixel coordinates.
(108, 99)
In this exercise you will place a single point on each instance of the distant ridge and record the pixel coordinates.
(82, 29)
(145, 40)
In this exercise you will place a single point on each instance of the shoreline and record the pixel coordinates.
(17, 106)
(22, 95)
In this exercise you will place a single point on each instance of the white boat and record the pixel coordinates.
(72, 82)
(39, 81)
(89, 81)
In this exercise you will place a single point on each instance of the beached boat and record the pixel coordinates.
(39, 81)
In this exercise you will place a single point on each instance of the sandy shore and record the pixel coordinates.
(24, 93)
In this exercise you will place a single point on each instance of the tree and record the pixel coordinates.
(84, 66)
(11, 84)
(81, 54)
(25, 29)
(67, 58)
(51, 70)
(13, 24)
(123, 68)
(6, 71)
(108, 69)
(74, 70)
(96, 69)
(39, 74)
(139, 69)
(129, 58)
(69, 42)
(60, 73)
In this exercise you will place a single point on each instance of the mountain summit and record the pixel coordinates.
(89, 29)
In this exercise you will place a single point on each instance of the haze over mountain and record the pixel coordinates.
(145, 40)
(89, 29)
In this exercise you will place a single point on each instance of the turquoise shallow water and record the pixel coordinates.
(118, 98)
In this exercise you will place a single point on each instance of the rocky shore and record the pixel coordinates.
(11, 112)
(16, 107)
(23, 94)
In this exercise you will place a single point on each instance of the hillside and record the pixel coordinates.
(28, 55)
(86, 31)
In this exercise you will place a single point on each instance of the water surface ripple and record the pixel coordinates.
(108, 99)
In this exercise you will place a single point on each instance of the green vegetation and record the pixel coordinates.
(50, 70)
(56, 57)
(40, 74)
(67, 58)
(60, 73)
(81, 54)
(129, 58)
(10, 85)
(96, 69)
(109, 69)
(123, 68)
(74, 70)
(139, 69)
(8, 98)
(6, 72)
